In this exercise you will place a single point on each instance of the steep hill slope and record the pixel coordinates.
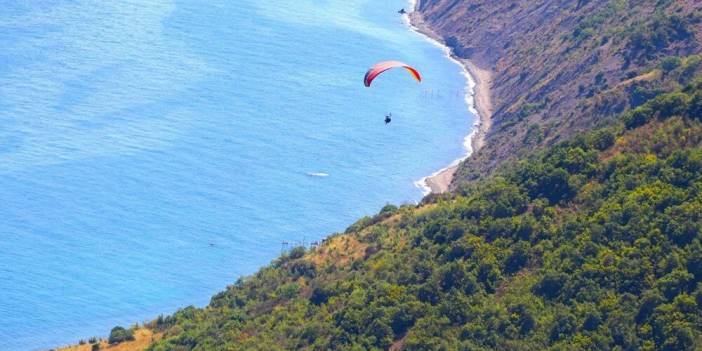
(562, 66)
(593, 244)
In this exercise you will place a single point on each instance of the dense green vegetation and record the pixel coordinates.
(593, 244)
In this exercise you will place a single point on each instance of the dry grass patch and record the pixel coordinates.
(142, 339)
(338, 251)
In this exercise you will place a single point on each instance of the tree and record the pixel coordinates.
(550, 285)
(670, 63)
(118, 334)
(695, 108)
(564, 325)
(319, 296)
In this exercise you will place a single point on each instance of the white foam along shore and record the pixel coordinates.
(440, 180)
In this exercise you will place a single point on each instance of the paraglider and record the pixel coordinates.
(381, 67)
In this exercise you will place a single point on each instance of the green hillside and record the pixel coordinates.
(593, 244)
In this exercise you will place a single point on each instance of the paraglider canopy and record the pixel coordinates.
(381, 67)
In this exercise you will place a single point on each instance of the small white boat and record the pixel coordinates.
(317, 174)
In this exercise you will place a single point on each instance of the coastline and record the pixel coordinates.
(478, 101)
(477, 97)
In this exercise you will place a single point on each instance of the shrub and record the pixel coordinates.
(602, 139)
(297, 252)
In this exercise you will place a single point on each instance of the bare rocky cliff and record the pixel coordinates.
(562, 66)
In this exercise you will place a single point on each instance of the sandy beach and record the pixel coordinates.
(440, 181)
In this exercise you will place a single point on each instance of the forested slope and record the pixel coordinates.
(562, 66)
(592, 244)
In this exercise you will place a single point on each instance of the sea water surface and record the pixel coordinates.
(151, 152)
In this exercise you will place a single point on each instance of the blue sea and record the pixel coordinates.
(152, 152)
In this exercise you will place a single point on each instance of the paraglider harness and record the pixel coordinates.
(388, 118)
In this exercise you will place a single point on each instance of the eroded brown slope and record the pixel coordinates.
(554, 61)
